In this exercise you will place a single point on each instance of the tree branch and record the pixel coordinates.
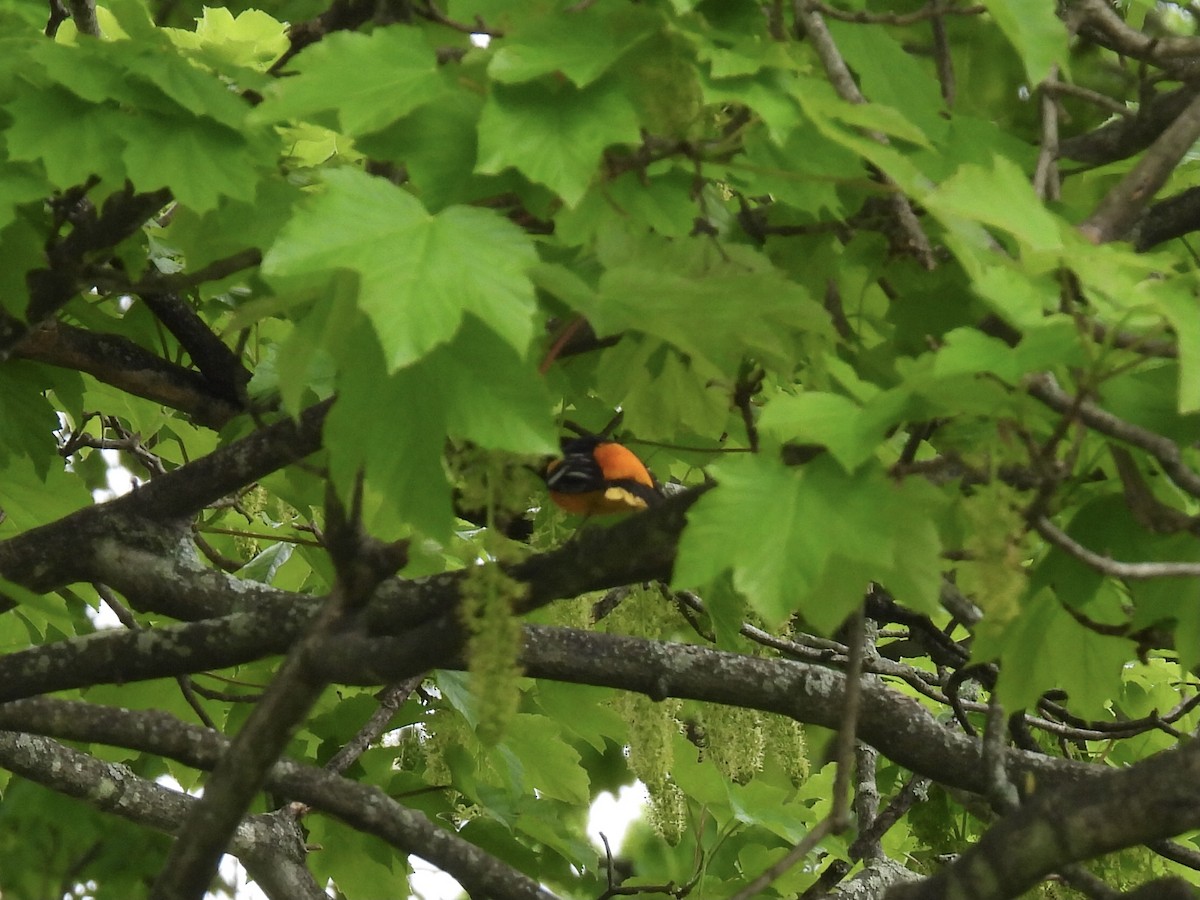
(83, 12)
(361, 564)
(1154, 799)
(843, 82)
(66, 550)
(1045, 388)
(114, 788)
(1111, 567)
(1101, 24)
(1123, 138)
(128, 366)
(1123, 205)
(218, 364)
(122, 213)
(364, 807)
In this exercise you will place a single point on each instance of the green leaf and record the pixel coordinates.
(199, 160)
(1090, 673)
(368, 81)
(1012, 294)
(811, 540)
(265, 564)
(661, 390)
(29, 418)
(581, 44)
(71, 138)
(554, 134)
(419, 273)
(305, 360)
(717, 304)
(732, 57)
(19, 184)
(1183, 312)
(361, 865)
(546, 763)
(30, 498)
(252, 38)
(891, 76)
(580, 710)
(1038, 35)
(1000, 196)
(39, 610)
(661, 80)
(475, 389)
(769, 94)
(830, 420)
(664, 203)
(492, 397)
(822, 102)
(436, 145)
(803, 172)
(393, 428)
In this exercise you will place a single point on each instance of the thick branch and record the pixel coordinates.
(364, 807)
(64, 551)
(220, 366)
(1170, 218)
(898, 726)
(1124, 137)
(255, 621)
(84, 14)
(120, 362)
(1123, 205)
(1101, 24)
(1154, 799)
(109, 787)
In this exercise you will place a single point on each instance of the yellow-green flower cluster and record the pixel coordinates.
(493, 647)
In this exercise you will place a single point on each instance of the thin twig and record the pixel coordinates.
(178, 282)
(941, 53)
(820, 831)
(430, 12)
(1045, 176)
(843, 82)
(839, 817)
(126, 618)
(1105, 102)
(1111, 567)
(914, 791)
(1046, 389)
(237, 532)
(925, 13)
(391, 698)
(1001, 791)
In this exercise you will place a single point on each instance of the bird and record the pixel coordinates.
(596, 476)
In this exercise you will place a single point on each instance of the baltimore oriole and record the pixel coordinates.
(596, 476)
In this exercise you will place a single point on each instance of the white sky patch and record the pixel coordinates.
(120, 479)
(481, 40)
(430, 883)
(612, 816)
